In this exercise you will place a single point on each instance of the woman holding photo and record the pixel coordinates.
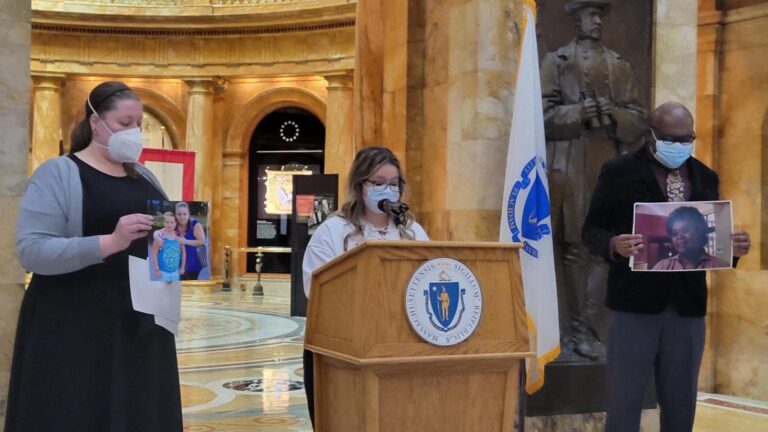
(84, 360)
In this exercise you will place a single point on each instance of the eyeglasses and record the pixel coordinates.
(379, 186)
(682, 139)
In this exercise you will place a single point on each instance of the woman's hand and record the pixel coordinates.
(128, 228)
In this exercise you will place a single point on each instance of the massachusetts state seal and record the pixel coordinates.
(443, 301)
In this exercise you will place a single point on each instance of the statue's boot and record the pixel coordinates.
(584, 344)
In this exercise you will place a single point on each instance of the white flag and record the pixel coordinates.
(525, 214)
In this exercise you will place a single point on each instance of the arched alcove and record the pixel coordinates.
(286, 142)
(239, 136)
(238, 140)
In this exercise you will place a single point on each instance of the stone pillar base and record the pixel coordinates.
(591, 422)
(200, 287)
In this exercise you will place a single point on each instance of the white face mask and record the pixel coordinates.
(125, 145)
(375, 194)
(122, 146)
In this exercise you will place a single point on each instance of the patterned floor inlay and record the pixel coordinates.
(240, 362)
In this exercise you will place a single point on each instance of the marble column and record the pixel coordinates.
(462, 59)
(740, 300)
(707, 126)
(380, 96)
(15, 20)
(46, 118)
(201, 138)
(339, 148)
(433, 82)
(709, 39)
(674, 52)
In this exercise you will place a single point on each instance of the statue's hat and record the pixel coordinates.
(575, 5)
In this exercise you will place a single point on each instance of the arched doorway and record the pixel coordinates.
(288, 141)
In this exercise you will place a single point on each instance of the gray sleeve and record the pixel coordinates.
(41, 230)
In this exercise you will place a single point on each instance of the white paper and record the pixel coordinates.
(161, 299)
(171, 326)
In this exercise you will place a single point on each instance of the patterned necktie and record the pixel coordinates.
(675, 186)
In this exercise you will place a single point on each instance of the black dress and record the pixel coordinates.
(84, 360)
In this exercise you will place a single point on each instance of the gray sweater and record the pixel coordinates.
(49, 231)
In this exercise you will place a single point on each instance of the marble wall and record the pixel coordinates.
(15, 17)
(740, 321)
(674, 52)
(462, 58)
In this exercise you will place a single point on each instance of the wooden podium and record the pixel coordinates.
(373, 372)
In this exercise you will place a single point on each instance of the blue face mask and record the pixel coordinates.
(672, 154)
(375, 194)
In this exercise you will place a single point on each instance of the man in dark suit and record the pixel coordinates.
(655, 320)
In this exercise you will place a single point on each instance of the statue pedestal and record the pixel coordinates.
(573, 398)
(649, 422)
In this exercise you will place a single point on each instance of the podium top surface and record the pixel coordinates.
(369, 244)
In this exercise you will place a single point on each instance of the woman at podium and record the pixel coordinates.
(372, 210)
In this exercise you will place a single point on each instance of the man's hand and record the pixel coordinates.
(627, 245)
(741, 243)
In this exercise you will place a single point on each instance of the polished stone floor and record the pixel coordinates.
(240, 366)
(240, 362)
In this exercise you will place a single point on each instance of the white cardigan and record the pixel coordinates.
(328, 242)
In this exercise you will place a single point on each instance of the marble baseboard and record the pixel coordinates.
(200, 287)
(591, 422)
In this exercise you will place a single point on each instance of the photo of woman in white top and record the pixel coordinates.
(375, 175)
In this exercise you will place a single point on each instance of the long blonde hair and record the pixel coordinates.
(366, 163)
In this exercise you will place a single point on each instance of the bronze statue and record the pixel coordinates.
(592, 113)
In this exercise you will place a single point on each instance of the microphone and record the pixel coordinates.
(394, 208)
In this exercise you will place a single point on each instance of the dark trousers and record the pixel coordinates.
(309, 384)
(669, 346)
